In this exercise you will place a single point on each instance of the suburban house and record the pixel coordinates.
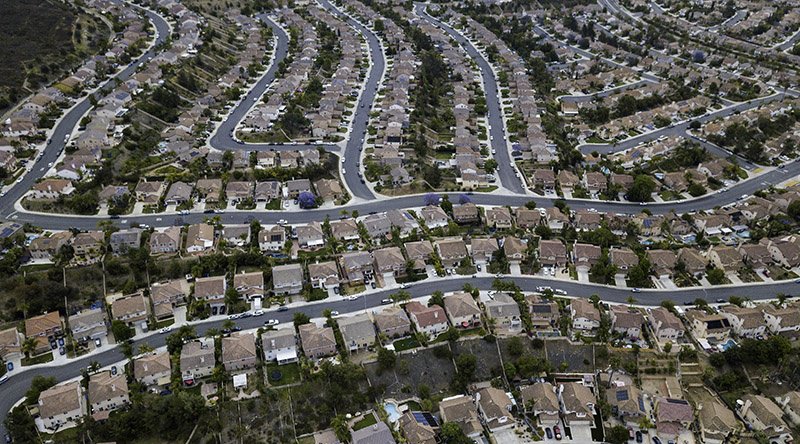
(543, 313)
(466, 214)
(663, 262)
(434, 216)
(784, 320)
(153, 369)
(708, 326)
(280, 346)
(462, 310)
(462, 411)
(666, 326)
(323, 275)
(762, 414)
(239, 351)
(199, 238)
(236, 235)
(197, 360)
(717, 422)
(504, 310)
(586, 255)
(131, 309)
(166, 296)
(87, 325)
(211, 289)
(357, 331)
(123, 240)
(389, 261)
(62, 405)
(451, 251)
(540, 400)
(249, 285)
(494, 405)
(317, 342)
(45, 328)
(585, 316)
(165, 241)
(515, 249)
(287, 279)
(107, 392)
(429, 320)
(45, 248)
(746, 322)
(415, 431)
(10, 344)
(345, 230)
(178, 194)
(272, 239)
(483, 248)
(552, 253)
(392, 322)
(88, 244)
(357, 266)
(310, 236)
(627, 321)
(577, 404)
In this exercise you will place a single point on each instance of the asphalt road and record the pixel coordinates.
(582, 98)
(507, 174)
(71, 119)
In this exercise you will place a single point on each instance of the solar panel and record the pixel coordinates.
(622, 395)
(425, 418)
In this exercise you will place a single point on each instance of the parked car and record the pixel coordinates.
(386, 301)
(639, 436)
(62, 351)
(283, 308)
(548, 433)
(557, 432)
(3, 379)
(113, 370)
(97, 343)
(258, 312)
(10, 366)
(271, 322)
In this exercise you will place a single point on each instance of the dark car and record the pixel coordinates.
(548, 433)
(656, 440)
(8, 438)
(638, 436)
(114, 370)
(372, 284)
(283, 308)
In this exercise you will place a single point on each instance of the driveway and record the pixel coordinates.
(583, 274)
(619, 280)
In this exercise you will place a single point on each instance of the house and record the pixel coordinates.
(166, 296)
(88, 244)
(586, 255)
(149, 192)
(540, 400)
(452, 251)
(45, 248)
(577, 404)
(543, 313)
(197, 360)
(514, 249)
(357, 266)
(317, 342)
(499, 217)
(626, 401)
(416, 432)
(131, 309)
(429, 320)
(784, 320)
(725, 258)
(107, 392)
(790, 403)
(627, 321)
(61, 406)
(166, 241)
(10, 344)
(756, 256)
(494, 405)
(297, 186)
(667, 326)
(272, 239)
(88, 324)
(239, 351)
(236, 235)
(462, 310)
(693, 262)
(556, 220)
(287, 279)
(345, 230)
(45, 328)
(357, 331)
(199, 238)
(211, 289)
(717, 422)
(586, 220)
(466, 213)
(249, 285)
(595, 182)
(124, 240)
(746, 322)
(483, 249)
(785, 251)
(178, 194)
(552, 253)
(310, 236)
(51, 189)
(585, 316)
(504, 310)
(462, 411)
(153, 369)
(663, 262)
(623, 258)
(762, 414)
(419, 253)
(280, 346)
(378, 433)
(392, 322)
(330, 190)
(323, 275)
(237, 192)
(389, 261)
(209, 190)
(434, 216)
(708, 326)
(267, 191)
(543, 178)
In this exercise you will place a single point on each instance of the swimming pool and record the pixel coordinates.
(392, 411)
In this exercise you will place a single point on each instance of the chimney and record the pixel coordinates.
(436, 315)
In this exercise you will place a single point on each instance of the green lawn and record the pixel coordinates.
(365, 422)
(274, 204)
(41, 359)
(290, 374)
(405, 344)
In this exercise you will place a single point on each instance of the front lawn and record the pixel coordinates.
(41, 359)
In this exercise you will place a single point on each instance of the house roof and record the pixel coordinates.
(541, 396)
(389, 257)
(129, 305)
(287, 274)
(673, 410)
(103, 386)
(625, 317)
(42, 323)
(426, 316)
(414, 432)
(356, 327)
(314, 337)
(391, 318)
(577, 398)
(765, 410)
(209, 286)
(197, 354)
(502, 306)
(238, 346)
(151, 364)
(451, 248)
(461, 304)
(461, 410)
(715, 417)
(584, 309)
(277, 339)
(60, 399)
(378, 433)
(666, 318)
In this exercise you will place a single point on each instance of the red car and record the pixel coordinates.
(557, 432)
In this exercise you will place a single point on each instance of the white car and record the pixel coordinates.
(282, 222)
(560, 291)
(271, 322)
(334, 313)
(166, 329)
(403, 286)
(258, 312)
(351, 298)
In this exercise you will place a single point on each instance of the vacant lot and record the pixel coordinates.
(412, 371)
(488, 362)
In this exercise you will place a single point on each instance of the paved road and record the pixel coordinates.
(505, 171)
(71, 119)
(18, 384)
(582, 98)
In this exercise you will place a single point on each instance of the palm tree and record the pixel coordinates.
(212, 333)
(631, 300)
(29, 346)
(145, 348)
(228, 325)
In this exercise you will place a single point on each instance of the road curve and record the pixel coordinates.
(505, 171)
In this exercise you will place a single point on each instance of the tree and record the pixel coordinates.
(301, 318)
(617, 435)
(340, 428)
(515, 347)
(451, 433)
(715, 276)
(386, 359)
(121, 331)
(641, 189)
(29, 346)
(437, 298)
(793, 210)
(306, 200)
